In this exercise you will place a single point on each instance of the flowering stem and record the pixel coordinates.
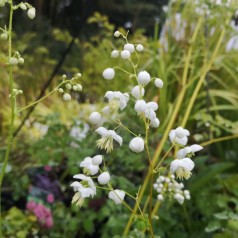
(11, 128)
(123, 70)
(170, 124)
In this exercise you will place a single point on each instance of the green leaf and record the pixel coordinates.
(213, 226)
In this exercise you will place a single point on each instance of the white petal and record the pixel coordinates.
(172, 136)
(140, 106)
(182, 141)
(155, 123)
(109, 95)
(102, 131)
(181, 154)
(116, 137)
(175, 165)
(152, 105)
(196, 148)
(187, 163)
(80, 176)
(104, 178)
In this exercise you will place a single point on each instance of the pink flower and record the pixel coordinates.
(31, 205)
(47, 168)
(49, 222)
(50, 198)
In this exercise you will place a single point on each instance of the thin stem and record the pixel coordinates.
(11, 128)
(224, 138)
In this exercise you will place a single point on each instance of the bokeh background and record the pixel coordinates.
(71, 36)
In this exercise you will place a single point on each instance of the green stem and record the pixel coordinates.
(11, 128)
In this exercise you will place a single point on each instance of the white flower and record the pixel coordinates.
(117, 196)
(143, 77)
(155, 123)
(85, 188)
(125, 54)
(108, 73)
(187, 194)
(232, 44)
(160, 197)
(129, 47)
(67, 97)
(117, 100)
(139, 47)
(104, 178)
(117, 33)
(115, 54)
(138, 91)
(31, 13)
(106, 142)
(182, 167)
(23, 6)
(89, 167)
(159, 83)
(179, 198)
(146, 109)
(97, 159)
(188, 150)
(137, 144)
(95, 117)
(179, 136)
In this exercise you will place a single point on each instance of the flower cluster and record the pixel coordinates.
(69, 85)
(43, 214)
(182, 165)
(168, 186)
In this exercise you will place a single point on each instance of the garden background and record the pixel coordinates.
(52, 138)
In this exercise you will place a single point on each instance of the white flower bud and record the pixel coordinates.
(97, 159)
(78, 75)
(68, 86)
(115, 54)
(125, 54)
(4, 36)
(159, 83)
(75, 88)
(138, 91)
(129, 47)
(21, 60)
(80, 88)
(95, 117)
(31, 13)
(23, 6)
(117, 33)
(13, 61)
(179, 198)
(180, 132)
(67, 97)
(137, 144)
(139, 47)
(104, 178)
(155, 123)
(160, 197)
(60, 90)
(108, 73)
(143, 77)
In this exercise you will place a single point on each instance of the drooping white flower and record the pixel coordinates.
(116, 100)
(117, 196)
(89, 167)
(188, 150)
(146, 109)
(179, 198)
(97, 159)
(85, 188)
(159, 83)
(104, 178)
(179, 136)
(138, 91)
(13, 61)
(155, 123)
(66, 97)
(95, 118)
(182, 167)
(129, 47)
(115, 54)
(108, 73)
(139, 47)
(143, 77)
(106, 142)
(137, 144)
(117, 33)
(31, 13)
(125, 54)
